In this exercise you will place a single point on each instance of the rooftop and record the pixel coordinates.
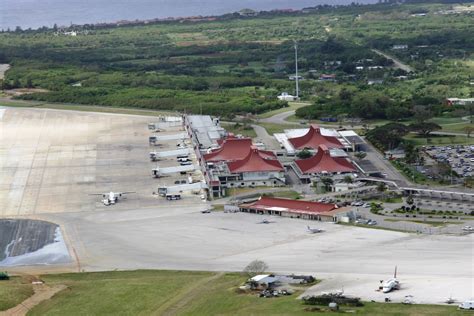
(287, 205)
(231, 149)
(256, 161)
(324, 162)
(313, 138)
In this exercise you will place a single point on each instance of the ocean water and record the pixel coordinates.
(37, 13)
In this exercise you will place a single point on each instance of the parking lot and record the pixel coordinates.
(52, 161)
(459, 157)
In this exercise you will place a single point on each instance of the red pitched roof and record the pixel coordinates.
(323, 161)
(230, 150)
(256, 160)
(295, 206)
(314, 138)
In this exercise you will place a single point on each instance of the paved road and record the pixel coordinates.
(384, 166)
(280, 118)
(397, 63)
(262, 135)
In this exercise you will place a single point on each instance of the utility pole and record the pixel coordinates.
(296, 71)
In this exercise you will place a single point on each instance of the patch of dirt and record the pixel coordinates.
(21, 91)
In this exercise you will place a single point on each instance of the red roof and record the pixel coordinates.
(323, 161)
(314, 138)
(295, 206)
(256, 160)
(230, 150)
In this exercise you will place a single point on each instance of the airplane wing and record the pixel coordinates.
(98, 194)
(128, 192)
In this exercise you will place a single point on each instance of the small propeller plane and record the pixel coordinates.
(112, 197)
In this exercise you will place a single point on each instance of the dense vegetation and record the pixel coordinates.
(239, 65)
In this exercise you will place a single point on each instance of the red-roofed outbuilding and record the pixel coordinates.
(313, 138)
(323, 162)
(293, 208)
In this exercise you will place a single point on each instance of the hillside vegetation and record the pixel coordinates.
(238, 65)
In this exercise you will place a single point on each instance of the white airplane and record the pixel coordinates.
(391, 284)
(112, 197)
(468, 229)
(314, 230)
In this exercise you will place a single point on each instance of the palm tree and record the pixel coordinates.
(348, 179)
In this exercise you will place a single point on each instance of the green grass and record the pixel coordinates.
(13, 292)
(431, 223)
(116, 293)
(273, 128)
(147, 292)
(292, 106)
(440, 140)
(286, 195)
(239, 129)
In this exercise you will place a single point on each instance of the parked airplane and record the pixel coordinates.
(264, 221)
(314, 230)
(391, 284)
(111, 197)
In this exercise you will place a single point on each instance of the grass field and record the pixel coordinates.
(147, 292)
(292, 106)
(431, 223)
(13, 292)
(440, 140)
(273, 128)
(239, 129)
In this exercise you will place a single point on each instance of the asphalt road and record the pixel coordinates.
(280, 118)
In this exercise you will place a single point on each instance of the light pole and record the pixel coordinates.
(296, 71)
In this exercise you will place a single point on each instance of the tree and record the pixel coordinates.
(348, 179)
(469, 130)
(388, 136)
(327, 182)
(412, 154)
(304, 154)
(255, 267)
(424, 128)
(422, 113)
(360, 155)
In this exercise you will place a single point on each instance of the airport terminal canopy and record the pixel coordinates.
(266, 203)
(314, 138)
(324, 162)
(256, 161)
(231, 149)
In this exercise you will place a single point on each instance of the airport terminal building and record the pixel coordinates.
(317, 211)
